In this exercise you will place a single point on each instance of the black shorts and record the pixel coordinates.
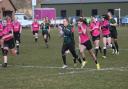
(17, 36)
(107, 36)
(34, 32)
(95, 38)
(114, 34)
(44, 32)
(71, 48)
(88, 44)
(0, 37)
(10, 44)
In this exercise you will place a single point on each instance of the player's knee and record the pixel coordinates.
(5, 52)
(104, 47)
(97, 47)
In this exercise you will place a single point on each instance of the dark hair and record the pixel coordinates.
(105, 17)
(80, 20)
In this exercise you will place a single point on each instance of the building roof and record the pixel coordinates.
(12, 5)
(79, 1)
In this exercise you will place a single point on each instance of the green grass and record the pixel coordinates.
(30, 70)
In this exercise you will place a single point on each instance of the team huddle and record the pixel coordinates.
(100, 31)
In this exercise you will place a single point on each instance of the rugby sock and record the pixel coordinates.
(35, 39)
(17, 49)
(105, 51)
(64, 59)
(117, 47)
(74, 60)
(79, 60)
(5, 59)
(100, 49)
(96, 61)
(96, 51)
(84, 59)
(49, 36)
(113, 47)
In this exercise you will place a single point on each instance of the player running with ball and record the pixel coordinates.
(68, 43)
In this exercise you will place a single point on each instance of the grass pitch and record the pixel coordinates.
(39, 68)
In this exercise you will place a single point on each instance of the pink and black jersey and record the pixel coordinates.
(95, 28)
(105, 27)
(83, 37)
(35, 26)
(9, 25)
(1, 30)
(16, 26)
(7, 34)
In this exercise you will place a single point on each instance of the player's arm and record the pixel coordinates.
(20, 28)
(113, 24)
(83, 29)
(31, 27)
(49, 28)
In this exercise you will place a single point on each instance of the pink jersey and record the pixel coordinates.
(1, 29)
(83, 37)
(7, 34)
(16, 27)
(35, 26)
(10, 25)
(95, 28)
(105, 28)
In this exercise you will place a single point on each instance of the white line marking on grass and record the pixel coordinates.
(122, 49)
(70, 68)
(92, 70)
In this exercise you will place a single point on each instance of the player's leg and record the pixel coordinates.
(104, 47)
(36, 36)
(113, 45)
(17, 42)
(109, 41)
(82, 48)
(89, 48)
(5, 58)
(46, 39)
(11, 46)
(115, 40)
(73, 52)
(63, 50)
(96, 47)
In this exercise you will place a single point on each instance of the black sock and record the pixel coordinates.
(45, 40)
(84, 59)
(64, 59)
(74, 60)
(49, 36)
(79, 60)
(35, 39)
(105, 51)
(96, 52)
(17, 49)
(116, 45)
(96, 61)
(100, 49)
(113, 47)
